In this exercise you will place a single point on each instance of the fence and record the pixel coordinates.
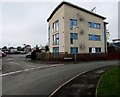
(79, 57)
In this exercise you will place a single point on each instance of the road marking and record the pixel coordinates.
(9, 59)
(40, 67)
(32, 66)
(11, 73)
(26, 69)
(15, 63)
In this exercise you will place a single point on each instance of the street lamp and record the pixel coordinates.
(75, 43)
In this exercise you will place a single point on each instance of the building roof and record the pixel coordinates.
(116, 40)
(77, 7)
(106, 22)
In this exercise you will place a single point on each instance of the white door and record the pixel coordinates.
(93, 50)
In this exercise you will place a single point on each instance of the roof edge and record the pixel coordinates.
(75, 6)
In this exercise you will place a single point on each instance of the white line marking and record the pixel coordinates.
(32, 66)
(15, 63)
(9, 59)
(26, 69)
(11, 73)
(40, 67)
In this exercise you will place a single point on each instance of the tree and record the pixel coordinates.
(37, 48)
(5, 48)
(19, 48)
(47, 48)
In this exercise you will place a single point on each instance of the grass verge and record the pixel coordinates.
(110, 83)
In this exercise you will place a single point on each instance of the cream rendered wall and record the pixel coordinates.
(73, 13)
(59, 15)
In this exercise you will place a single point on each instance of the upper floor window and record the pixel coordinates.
(97, 25)
(56, 39)
(56, 26)
(49, 31)
(93, 25)
(94, 37)
(73, 22)
(73, 36)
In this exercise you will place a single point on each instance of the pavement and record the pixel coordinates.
(82, 86)
(21, 77)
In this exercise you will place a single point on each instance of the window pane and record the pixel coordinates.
(53, 27)
(89, 24)
(70, 24)
(92, 25)
(76, 50)
(90, 50)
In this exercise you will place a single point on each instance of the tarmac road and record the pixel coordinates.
(40, 81)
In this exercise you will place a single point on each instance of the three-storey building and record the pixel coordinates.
(73, 29)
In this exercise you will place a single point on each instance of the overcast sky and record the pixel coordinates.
(26, 22)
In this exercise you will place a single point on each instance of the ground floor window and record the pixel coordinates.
(94, 50)
(74, 50)
(55, 49)
(98, 50)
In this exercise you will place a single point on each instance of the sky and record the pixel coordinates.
(25, 22)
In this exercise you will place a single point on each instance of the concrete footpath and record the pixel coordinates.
(82, 86)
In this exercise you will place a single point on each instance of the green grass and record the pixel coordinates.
(109, 85)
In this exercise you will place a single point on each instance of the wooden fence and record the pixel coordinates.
(79, 57)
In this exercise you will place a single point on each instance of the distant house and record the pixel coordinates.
(115, 46)
(116, 42)
(73, 29)
(12, 50)
(27, 48)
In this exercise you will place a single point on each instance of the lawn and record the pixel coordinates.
(109, 85)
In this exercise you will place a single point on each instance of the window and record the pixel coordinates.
(49, 31)
(94, 50)
(91, 50)
(71, 41)
(97, 25)
(55, 49)
(73, 36)
(94, 37)
(93, 25)
(56, 26)
(97, 37)
(56, 39)
(98, 50)
(73, 22)
(74, 50)
(53, 27)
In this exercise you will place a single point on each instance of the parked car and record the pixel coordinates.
(2, 53)
(28, 55)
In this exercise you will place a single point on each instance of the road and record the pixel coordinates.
(42, 79)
